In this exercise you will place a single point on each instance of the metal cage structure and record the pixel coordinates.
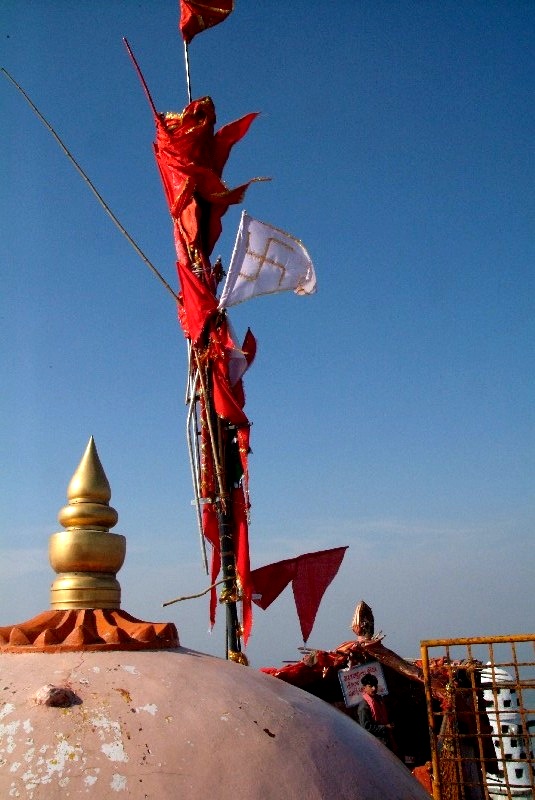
(482, 731)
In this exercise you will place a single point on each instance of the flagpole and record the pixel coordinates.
(219, 435)
(230, 589)
(227, 525)
(140, 76)
(215, 458)
(188, 80)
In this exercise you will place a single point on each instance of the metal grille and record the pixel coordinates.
(481, 708)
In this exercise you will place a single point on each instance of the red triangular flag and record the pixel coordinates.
(197, 16)
(310, 575)
(268, 582)
(314, 573)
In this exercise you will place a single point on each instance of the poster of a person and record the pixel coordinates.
(351, 682)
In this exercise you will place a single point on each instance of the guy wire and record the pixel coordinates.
(93, 188)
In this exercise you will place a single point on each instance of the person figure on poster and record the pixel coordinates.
(371, 711)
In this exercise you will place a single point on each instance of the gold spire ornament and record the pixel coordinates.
(86, 597)
(86, 555)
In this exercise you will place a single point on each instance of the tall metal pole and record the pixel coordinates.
(188, 80)
(229, 595)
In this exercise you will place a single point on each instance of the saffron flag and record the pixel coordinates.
(310, 575)
(197, 16)
(266, 260)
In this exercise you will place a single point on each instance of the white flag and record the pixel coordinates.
(266, 260)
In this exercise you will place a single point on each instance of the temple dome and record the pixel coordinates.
(97, 704)
(177, 723)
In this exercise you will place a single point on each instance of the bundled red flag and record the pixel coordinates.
(196, 17)
(310, 575)
(191, 156)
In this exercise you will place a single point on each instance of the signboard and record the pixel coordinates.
(350, 681)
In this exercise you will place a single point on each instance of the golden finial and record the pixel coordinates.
(86, 555)
(86, 596)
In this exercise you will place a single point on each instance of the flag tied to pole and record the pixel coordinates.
(309, 574)
(266, 260)
(191, 156)
(198, 16)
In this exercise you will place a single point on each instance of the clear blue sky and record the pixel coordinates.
(392, 411)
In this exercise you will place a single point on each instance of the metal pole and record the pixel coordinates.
(431, 721)
(188, 80)
(140, 76)
(230, 590)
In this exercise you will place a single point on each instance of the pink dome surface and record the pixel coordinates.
(179, 724)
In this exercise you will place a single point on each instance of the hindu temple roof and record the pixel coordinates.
(95, 704)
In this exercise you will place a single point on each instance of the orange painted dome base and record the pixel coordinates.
(87, 629)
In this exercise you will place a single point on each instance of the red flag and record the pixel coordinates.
(314, 574)
(210, 521)
(227, 402)
(270, 581)
(196, 17)
(248, 353)
(310, 575)
(210, 524)
(241, 549)
(198, 303)
(227, 136)
(190, 158)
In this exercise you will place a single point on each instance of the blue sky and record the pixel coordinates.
(392, 411)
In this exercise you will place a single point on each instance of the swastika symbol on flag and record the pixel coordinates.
(263, 258)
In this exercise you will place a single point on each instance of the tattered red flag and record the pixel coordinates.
(310, 575)
(227, 402)
(227, 136)
(196, 17)
(198, 303)
(190, 158)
